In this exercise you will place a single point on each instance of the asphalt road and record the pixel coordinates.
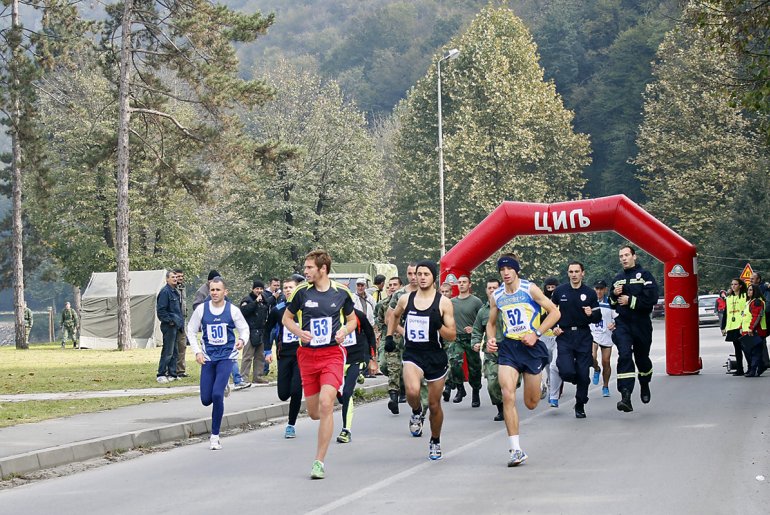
(698, 448)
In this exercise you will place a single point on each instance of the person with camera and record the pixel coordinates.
(255, 307)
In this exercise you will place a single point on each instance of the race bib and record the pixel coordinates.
(350, 340)
(289, 337)
(321, 329)
(217, 334)
(417, 328)
(514, 321)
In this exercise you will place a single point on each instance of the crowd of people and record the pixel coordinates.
(742, 312)
(327, 337)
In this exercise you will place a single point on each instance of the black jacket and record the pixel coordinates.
(255, 311)
(366, 341)
(640, 286)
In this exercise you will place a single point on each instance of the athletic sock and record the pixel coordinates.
(513, 443)
(417, 411)
(435, 439)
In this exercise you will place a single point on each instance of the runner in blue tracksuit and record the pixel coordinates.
(216, 318)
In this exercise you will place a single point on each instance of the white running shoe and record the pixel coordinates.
(162, 379)
(227, 390)
(517, 458)
(214, 443)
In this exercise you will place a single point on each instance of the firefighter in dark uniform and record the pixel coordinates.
(634, 293)
(579, 307)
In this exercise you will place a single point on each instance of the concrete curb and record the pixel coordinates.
(88, 449)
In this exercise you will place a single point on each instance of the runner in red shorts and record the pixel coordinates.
(324, 309)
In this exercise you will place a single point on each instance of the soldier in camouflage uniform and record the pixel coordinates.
(393, 361)
(381, 326)
(28, 321)
(69, 326)
(479, 342)
(466, 306)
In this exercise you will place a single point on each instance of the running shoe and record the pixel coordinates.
(171, 378)
(415, 424)
(605, 391)
(214, 443)
(344, 436)
(289, 432)
(517, 458)
(596, 376)
(241, 386)
(434, 451)
(543, 390)
(318, 470)
(227, 390)
(554, 403)
(162, 379)
(361, 379)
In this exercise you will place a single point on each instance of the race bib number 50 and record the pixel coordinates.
(217, 334)
(321, 329)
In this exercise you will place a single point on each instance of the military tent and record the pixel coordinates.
(99, 310)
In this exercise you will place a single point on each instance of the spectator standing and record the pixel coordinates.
(255, 307)
(731, 322)
(181, 336)
(69, 325)
(364, 301)
(169, 311)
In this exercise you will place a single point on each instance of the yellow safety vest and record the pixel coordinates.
(734, 311)
(746, 318)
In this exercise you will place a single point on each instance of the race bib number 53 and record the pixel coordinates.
(321, 329)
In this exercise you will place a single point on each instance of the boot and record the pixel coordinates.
(580, 410)
(460, 394)
(476, 402)
(447, 392)
(402, 396)
(624, 404)
(393, 402)
(499, 417)
(645, 392)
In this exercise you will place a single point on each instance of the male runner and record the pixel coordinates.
(579, 307)
(428, 317)
(634, 293)
(216, 318)
(320, 304)
(286, 345)
(521, 352)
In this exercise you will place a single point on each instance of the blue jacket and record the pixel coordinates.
(169, 307)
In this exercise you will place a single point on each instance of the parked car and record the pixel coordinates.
(707, 313)
(659, 309)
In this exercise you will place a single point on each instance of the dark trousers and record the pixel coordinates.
(290, 384)
(169, 353)
(633, 340)
(574, 358)
(214, 377)
(348, 385)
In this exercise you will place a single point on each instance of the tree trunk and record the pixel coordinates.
(16, 170)
(121, 243)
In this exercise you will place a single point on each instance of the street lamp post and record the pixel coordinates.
(453, 53)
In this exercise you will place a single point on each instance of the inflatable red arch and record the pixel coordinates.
(616, 213)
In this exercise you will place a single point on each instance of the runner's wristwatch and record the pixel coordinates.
(538, 333)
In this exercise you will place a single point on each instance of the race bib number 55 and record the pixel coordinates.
(417, 328)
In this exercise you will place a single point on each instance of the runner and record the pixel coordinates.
(429, 316)
(359, 346)
(286, 344)
(634, 293)
(321, 305)
(521, 351)
(216, 318)
(579, 307)
(602, 335)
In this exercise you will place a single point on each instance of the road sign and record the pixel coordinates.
(747, 273)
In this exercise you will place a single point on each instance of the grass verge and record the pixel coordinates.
(13, 413)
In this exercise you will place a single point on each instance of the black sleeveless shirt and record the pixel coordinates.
(422, 326)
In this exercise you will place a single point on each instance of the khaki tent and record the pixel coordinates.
(99, 310)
